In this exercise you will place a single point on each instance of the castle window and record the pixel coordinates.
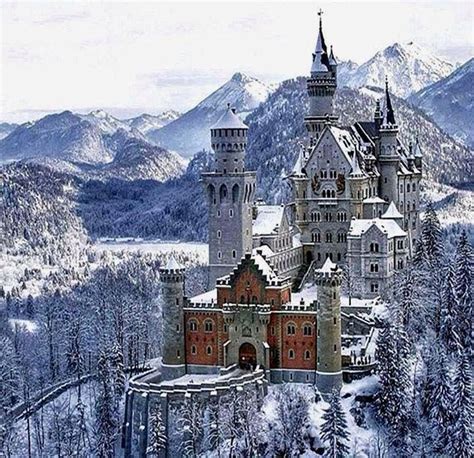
(408, 187)
(178, 354)
(208, 325)
(273, 302)
(307, 330)
(414, 187)
(328, 237)
(219, 254)
(235, 192)
(374, 287)
(231, 213)
(234, 254)
(307, 354)
(291, 354)
(400, 263)
(374, 247)
(218, 213)
(178, 328)
(400, 244)
(193, 326)
(254, 299)
(339, 256)
(193, 350)
(212, 194)
(334, 295)
(291, 329)
(374, 267)
(335, 348)
(209, 350)
(177, 301)
(401, 189)
(334, 320)
(272, 330)
(223, 193)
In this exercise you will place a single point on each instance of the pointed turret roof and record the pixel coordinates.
(389, 113)
(172, 264)
(229, 120)
(417, 150)
(320, 55)
(356, 171)
(328, 267)
(332, 59)
(392, 212)
(298, 167)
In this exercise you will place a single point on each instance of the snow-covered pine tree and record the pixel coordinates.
(449, 317)
(462, 434)
(441, 413)
(106, 420)
(334, 431)
(431, 236)
(463, 289)
(213, 437)
(117, 373)
(394, 396)
(158, 439)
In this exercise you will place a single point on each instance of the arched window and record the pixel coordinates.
(235, 193)
(291, 329)
(209, 350)
(307, 329)
(234, 254)
(212, 194)
(328, 237)
(193, 325)
(223, 193)
(374, 247)
(291, 354)
(316, 237)
(193, 350)
(208, 325)
(307, 354)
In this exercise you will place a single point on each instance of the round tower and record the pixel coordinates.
(230, 191)
(389, 159)
(321, 86)
(328, 347)
(172, 293)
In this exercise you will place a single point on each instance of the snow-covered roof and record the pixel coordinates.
(328, 267)
(172, 264)
(346, 141)
(264, 267)
(268, 218)
(356, 171)
(374, 200)
(298, 167)
(265, 250)
(229, 120)
(209, 297)
(388, 226)
(392, 212)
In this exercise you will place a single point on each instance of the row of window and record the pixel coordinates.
(208, 350)
(227, 132)
(412, 188)
(292, 354)
(228, 146)
(223, 193)
(328, 174)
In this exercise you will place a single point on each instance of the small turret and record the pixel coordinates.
(172, 291)
(333, 62)
(329, 364)
(418, 155)
(378, 116)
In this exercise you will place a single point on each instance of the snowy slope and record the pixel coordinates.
(6, 128)
(104, 121)
(409, 68)
(146, 122)
(61, 135)
(450, 102)
(190, 133)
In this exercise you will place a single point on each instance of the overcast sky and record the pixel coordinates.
(133, 57)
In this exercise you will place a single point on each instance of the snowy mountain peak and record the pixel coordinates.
(408, 67)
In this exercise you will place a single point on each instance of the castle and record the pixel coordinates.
(275, 311)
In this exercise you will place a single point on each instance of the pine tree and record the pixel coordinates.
(117, 373)
(191, 425)
(449, 318)
(394, 396)
(158, 439)
(334, 429)
(441, 407)
(431, 237)
(106, 420)
(462, 434)
(463, 288)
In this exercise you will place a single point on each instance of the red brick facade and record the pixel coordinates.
(290, 334)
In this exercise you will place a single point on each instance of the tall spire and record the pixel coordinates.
(320, 55)
(389, 113)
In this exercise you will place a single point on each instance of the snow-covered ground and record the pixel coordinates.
(154, 246)
(27, 325)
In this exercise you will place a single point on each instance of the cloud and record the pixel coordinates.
(62, 18)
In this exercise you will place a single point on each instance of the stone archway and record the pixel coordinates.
(247, 356)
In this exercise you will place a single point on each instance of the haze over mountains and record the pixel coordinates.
(450, 102)
(127, 185)
(190, 132)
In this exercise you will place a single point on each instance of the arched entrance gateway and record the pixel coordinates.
(247, 356)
